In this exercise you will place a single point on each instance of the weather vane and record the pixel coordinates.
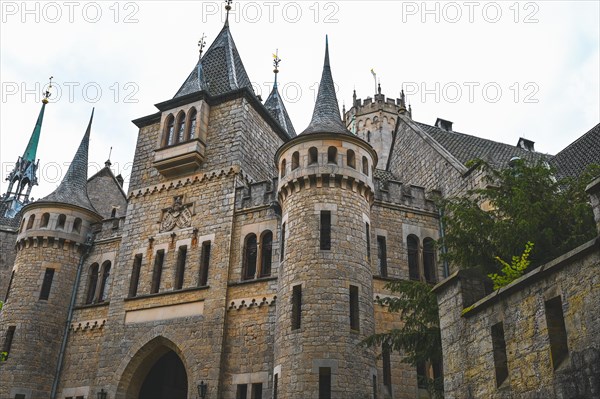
(276, 61)
(202, 43)
(47, 93)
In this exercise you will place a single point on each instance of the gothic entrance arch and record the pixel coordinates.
(166, 379)
(156, 371)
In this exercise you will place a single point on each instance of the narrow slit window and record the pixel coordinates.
(354, 311)
(204, 262)
(296, 307)
(295, 160)
(387, 368)
(266, 253)
(325, 230)
(12, 276)
(157, 272)
(429, 260)
(180, 269)
(557, 332)
(135, 275)
(275, 385)
(283, 166)
(324, 382)
(382, 256)
(8, 339)
(368, 235)
(499, 348)
(47, 284)
(374, 386)
(365, 166)
(92, 283)
(282, 249)
(103, 293)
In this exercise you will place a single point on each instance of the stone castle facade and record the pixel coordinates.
(244, 258)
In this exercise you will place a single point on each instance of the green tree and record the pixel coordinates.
(419, 338)
(520, 204)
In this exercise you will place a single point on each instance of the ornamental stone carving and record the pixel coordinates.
(178, 215)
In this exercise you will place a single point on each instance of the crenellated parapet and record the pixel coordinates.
(254, 195)
(402, 194)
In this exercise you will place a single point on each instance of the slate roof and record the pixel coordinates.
(220, 70)
(326, 115)
(12, 223)
(276, 108)
(574, 158)
(465, 147)
(73, 187)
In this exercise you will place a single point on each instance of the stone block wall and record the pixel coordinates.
(469, 366)
(8, 239)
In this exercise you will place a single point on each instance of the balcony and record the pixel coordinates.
(179, 159)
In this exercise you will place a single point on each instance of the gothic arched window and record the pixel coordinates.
(250, 250)
(192, 123)
(412, 244)
(266, 253)
(169, 130)
(429, 260)
(104, 283)
(180, 127)
(92, 283)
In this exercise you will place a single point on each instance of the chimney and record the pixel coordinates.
(593, 190)
(120, 180)
(525, 144)
(443, 124)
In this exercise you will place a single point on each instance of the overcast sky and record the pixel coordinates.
(499, 70)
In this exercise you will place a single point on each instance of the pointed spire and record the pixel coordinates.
(326, 115)
(73, 187)
(275, 105)
(31, 149)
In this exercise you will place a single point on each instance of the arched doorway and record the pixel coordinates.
(166, 379)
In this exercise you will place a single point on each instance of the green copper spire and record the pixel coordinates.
(31, 150)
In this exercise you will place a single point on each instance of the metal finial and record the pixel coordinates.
(108, 163)
(276, 61)
(227, 8)
(47, 93)
(202, 43)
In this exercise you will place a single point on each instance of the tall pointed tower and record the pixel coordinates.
(275, 105)
(24, 175)
(325, 293)
(51, 245)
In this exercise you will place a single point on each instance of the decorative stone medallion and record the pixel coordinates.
(178, 215)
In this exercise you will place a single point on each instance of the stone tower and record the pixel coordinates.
(325, 294)
(374, 120)
(51, 246)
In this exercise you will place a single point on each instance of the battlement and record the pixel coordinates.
(369, 105)
(398, 193)
(256, 194)
(109, 228)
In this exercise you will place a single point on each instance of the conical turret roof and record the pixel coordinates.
(73, 187)
(326, 115)
(220, 70)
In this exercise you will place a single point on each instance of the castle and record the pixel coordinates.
(245, 260)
